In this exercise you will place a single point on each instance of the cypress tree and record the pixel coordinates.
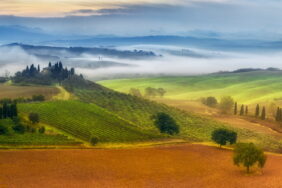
(235, 109)
(263, 113)
(242, 110)
(1, 113)
(257, 111)
(13, 110)
(278, 114)
(246, 110)
(5, 110)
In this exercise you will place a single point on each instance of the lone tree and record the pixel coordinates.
(165, 123)
(211, 101)
(94, 140)
(226, 104)
(242, 110)
(263, 114)
(248, 155)
(235, 108)
(34, 118)
(257, 111)
(223, 136)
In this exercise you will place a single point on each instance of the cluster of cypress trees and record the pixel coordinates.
(262, 115)
(59, 72)
(244, 110)
(31, 71)
(8, 110)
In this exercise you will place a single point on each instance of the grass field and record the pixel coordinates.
(8, 91)
(32, 139)
(190, 166)
(247, 88)
(84, 121)
(192, 127)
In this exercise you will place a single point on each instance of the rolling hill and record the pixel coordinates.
(86, 120)
(139, 111)
(245, 87)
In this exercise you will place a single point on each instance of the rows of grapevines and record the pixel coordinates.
(140, 112)
(85, 121)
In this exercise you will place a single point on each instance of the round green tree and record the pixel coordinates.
(247, 154)
(166, 124)
(223, 136)
(33, 117)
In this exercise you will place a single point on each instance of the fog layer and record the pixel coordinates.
(173, 61)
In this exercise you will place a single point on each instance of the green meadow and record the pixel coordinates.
(248, 87)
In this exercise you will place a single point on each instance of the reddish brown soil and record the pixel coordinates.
(171, 166)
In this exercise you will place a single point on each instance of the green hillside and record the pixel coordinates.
(33, 139)
(86, 120)
(248, 87)
(139, 111)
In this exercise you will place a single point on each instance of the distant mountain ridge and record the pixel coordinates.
(36, 36)
(63, 52)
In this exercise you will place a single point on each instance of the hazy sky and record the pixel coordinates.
(146, 17)
(54, 8)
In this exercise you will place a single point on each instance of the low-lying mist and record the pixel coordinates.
(173, 61)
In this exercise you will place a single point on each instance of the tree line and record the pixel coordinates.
(227, 103)
(46, 76)
(148, 92)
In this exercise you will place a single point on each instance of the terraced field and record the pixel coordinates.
(86, 120)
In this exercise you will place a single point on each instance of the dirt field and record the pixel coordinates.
(166, 166)
(7, 91)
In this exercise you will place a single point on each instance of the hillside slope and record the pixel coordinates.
(85, 121)
(139, 111)
(245, 87)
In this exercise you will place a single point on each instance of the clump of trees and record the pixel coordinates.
(262, 114)
(247, 154)
(154, 92)
(135, 92)
(19, 127)
(8, 110)
(52, 73)
(165, 123)
(223, 136)
(38, 98)
(226, 104)
(210, 101)
(33, 118)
